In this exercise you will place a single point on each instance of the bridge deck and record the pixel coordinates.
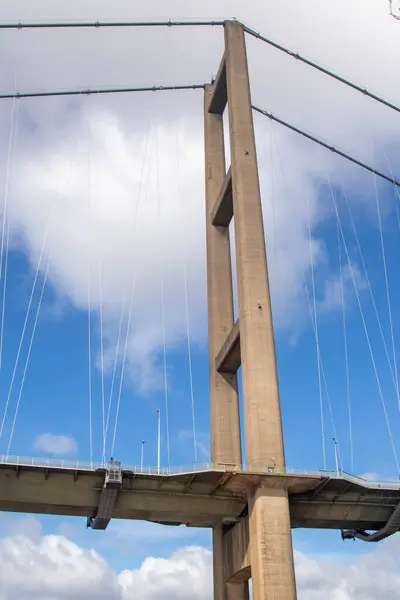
(194, 498)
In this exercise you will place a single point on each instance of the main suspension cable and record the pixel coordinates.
(114, 90)
(333, 149)
(323, 70)
(102, 24)
(205, 23)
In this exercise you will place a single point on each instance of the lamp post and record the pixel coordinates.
(158, 440)
(142, 456)
(336, 456)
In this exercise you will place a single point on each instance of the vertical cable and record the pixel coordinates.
(316, 334)
(389, 304)
(89, 192)
(188, 336)
(163, 311)
(314, 320)
(103, 410)
(28, 354)
(365, 271)
(121, 321)
(365, 327)
(328, 398)
(272, 138)
(13, 123)
(132, 295)
(346, 356)
(395, 188)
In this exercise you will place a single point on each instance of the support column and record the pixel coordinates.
(263, 428)
(223, 590)
(271, 552)
(238, 591)
(224, 402)
(272, 565)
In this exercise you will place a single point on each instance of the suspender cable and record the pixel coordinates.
(90, 362)
(395, 189)
(5, 236)
(44, 243)
(25, 322)
(121, 321)
(316, 333)
(163, 311)
(89, 291)
(328, 398)
(103, 410)
(28, 355)
(365, 328)
(187, 315)
(389, 304)
(131, 298)
(273, 139)
(314, 323)
(365, 271)
(346, 357)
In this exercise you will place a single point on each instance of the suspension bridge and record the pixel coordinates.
(252, 504)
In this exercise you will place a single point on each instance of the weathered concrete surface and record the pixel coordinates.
(224, 403)
(199, 499)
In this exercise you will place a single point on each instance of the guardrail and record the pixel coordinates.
(199, 467)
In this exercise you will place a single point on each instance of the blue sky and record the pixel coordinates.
(102, 143)
(55, 397)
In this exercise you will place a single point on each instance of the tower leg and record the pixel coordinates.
(238, 591)
(271, 546)
(222, 590)
(224, 402)
(271, 552)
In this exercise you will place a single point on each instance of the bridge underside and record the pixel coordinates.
(197, 499)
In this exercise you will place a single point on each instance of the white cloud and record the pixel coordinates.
(332, 296)
(54, 567)
(56, 444)
(185, 576)
(54, 136)
(202, 443)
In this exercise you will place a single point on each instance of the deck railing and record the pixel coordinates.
(76, 465)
